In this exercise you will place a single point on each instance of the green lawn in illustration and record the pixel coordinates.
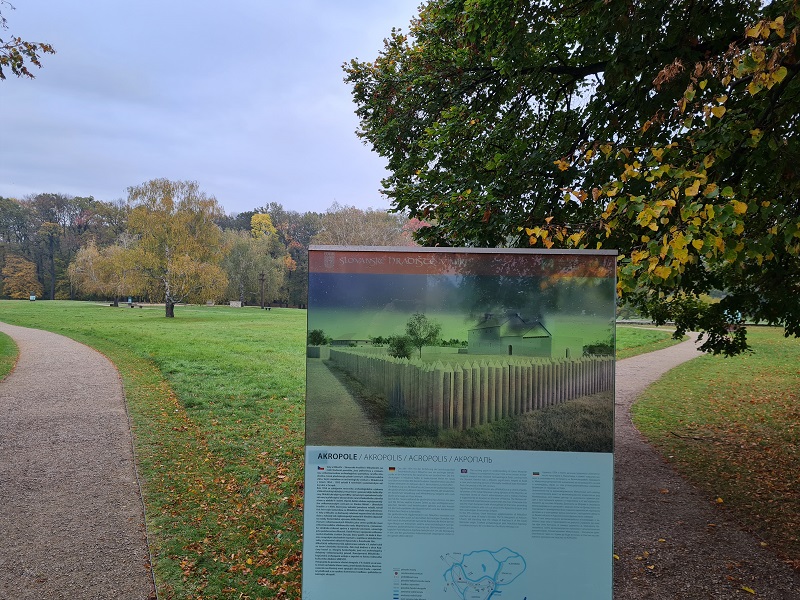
(362, 325)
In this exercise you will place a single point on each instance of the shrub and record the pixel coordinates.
(400, 346)
(317, 337)
(599, 348)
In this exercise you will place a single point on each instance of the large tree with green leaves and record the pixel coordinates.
(253, 260)
(422, 331)
(666, 129)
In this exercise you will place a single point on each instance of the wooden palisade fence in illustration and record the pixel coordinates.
(460, 396)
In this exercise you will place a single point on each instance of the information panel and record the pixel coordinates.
(459, 424)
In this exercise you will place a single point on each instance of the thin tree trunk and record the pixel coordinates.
(52, 269)
(168, 300)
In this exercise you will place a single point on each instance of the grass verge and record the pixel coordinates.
(734, 429)
(633, 340)
(8, 355)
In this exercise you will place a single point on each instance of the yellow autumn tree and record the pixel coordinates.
(19, 278)
(261, 225)
(179, 246)
(109, 271)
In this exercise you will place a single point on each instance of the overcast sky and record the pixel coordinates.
(246, 97)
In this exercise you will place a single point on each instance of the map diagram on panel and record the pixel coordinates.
(481, 574)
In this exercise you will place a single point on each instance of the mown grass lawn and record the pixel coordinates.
(732, 426)
(633, 340)
(8, 355)
(216, 399)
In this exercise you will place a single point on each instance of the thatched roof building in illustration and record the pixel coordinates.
(511, 335)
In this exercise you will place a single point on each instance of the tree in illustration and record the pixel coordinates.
(422, 331)
(317, 337)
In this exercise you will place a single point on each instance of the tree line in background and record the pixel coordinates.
(170, 242)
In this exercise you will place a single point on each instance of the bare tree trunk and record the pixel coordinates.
(52, 268)
(168, 300)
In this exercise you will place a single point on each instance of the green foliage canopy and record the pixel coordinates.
(17, 54)
(667, 130)
(400, 346)
(248, 256)
(422, 331)
(317, 337)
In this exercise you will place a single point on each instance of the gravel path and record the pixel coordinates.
(71, 516)
(342, 422)
(671, 541)
(71, 519)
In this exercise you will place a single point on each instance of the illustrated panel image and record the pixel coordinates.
(454, 348)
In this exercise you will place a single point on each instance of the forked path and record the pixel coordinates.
(71, 515)
(671, 541)
(72, 525)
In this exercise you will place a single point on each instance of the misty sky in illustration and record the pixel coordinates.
(365, 305)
